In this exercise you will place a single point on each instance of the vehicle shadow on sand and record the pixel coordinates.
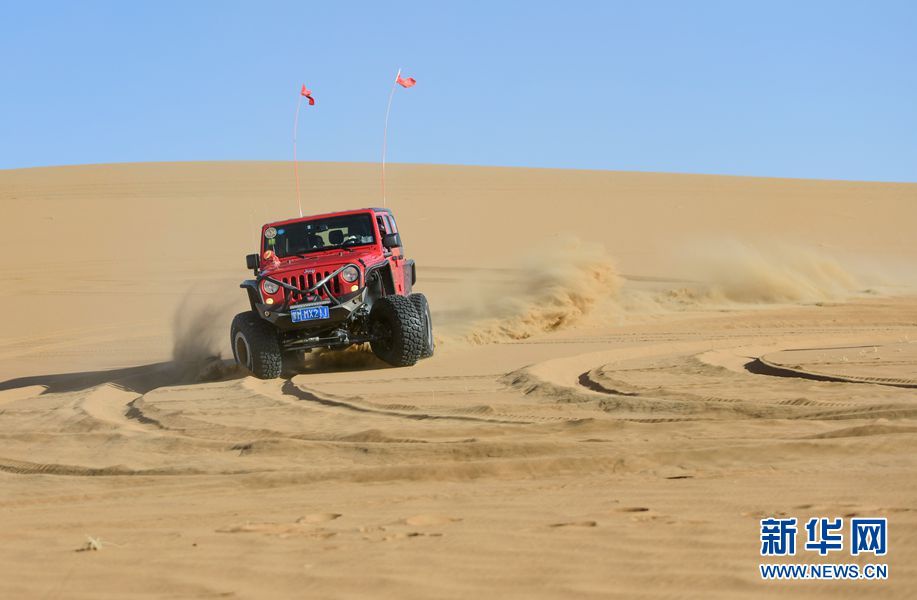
(145, 378)
(140, 379)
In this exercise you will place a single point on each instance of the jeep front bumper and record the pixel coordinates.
(339, 312)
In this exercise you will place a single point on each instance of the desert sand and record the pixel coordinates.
(632, 369)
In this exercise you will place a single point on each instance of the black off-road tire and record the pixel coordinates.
(255, 345)
(423, 307)
(398, 329)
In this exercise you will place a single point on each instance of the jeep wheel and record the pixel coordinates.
(423, 307)
(255, 345)
(398, 331)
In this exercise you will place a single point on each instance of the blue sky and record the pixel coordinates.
(792, 89)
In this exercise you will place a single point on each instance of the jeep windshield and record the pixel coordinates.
(305, 237)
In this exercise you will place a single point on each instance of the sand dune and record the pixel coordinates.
(632, 370)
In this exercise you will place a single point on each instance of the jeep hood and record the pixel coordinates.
(323, 261)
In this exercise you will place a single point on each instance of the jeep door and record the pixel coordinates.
(386, 224)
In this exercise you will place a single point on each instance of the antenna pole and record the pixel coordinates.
(385, 132)
(295, 162)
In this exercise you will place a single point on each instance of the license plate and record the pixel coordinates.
(312, 313)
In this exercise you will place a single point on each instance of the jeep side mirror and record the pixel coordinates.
(391, 240)
(251, 261)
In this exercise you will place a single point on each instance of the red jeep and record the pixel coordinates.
(330, 281)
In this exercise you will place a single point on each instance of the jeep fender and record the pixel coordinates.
(254, 297)
(379, 280)
(410, 276)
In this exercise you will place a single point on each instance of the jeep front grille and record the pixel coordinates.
(307, 280)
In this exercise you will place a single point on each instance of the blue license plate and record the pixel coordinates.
(311, 313)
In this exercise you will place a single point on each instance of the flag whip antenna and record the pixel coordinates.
(388, 109)
(303, 93)
(295, 162)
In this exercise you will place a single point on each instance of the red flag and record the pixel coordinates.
(308, 94)
(406, 81)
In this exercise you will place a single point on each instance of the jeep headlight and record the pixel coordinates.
(350, 274)
(270, 287)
